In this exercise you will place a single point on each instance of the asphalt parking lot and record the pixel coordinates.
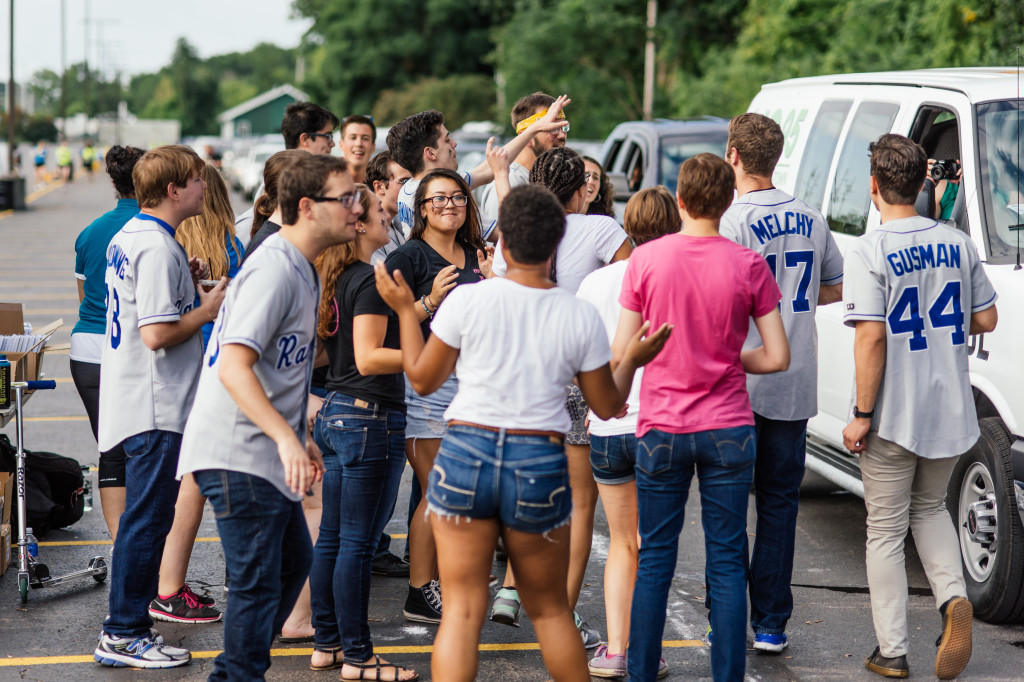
(53, 635)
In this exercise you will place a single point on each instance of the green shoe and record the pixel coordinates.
(506, 607)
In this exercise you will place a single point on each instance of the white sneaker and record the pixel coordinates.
(139, 652)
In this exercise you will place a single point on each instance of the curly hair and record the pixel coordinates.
(532, 223)
(409, 137)
(120, 164)
(331, 263)
(267, 203)
(205, 235)
(604, 202)
(467, 235)
(561, 170)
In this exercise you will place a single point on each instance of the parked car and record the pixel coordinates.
(973, 116)
(641, 154)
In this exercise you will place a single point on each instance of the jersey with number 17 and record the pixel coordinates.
(148, 282)
(923, 280)
(795, 240)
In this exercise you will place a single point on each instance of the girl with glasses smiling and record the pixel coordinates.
(444, 250)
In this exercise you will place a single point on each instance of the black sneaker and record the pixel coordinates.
(423, 605)
(390, 566)
(183, 607)
(204, 599)
(955, 641)
(887, 667)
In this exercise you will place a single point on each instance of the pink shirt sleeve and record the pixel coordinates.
(764, 290)
(629, 298)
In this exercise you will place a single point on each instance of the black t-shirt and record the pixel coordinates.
(265, 231)
(356, 294)
(420, 264)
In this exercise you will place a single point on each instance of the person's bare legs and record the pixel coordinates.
(620, 569)
(112, 501)
(300, 620)
(584, 502)
(465, 549)
(422, 551)
(541, 562)
(188, 514)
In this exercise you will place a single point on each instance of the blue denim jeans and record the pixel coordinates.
(521, 480)
(364, 455)
(781, 448)
(613, 458)
(665, 463)
(268, 552)
(150, 493)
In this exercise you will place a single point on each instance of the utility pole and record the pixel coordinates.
(652, 22)
(63, 73)
(11, 102)
(86, 103)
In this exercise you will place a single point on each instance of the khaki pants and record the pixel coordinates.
(903, 490)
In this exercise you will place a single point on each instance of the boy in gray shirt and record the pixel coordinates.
(914, 290)
(150, 363)
(245, 441)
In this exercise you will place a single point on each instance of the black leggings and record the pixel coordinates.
(86, 376)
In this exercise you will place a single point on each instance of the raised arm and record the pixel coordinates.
(482, 174)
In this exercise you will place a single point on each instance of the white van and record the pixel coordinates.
(974, 116)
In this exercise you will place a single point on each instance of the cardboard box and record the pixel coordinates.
(5, 547)
(7, 500)
(25, 366)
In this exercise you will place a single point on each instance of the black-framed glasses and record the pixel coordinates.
(345, 200)
(327, 136)
(458, 200)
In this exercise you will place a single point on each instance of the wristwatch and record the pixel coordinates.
(862, 415)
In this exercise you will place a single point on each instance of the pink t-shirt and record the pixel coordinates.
(709, 288)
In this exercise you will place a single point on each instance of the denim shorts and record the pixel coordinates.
(424, 417)
(523, 481)
(613, 458)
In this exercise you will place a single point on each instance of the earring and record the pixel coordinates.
(358, 231)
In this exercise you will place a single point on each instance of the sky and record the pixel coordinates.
(138, 36)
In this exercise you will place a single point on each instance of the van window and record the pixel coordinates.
(612, 156)
(635, 168)
(818, 152)
(676, 150)
(848, 206)
(1001, 143)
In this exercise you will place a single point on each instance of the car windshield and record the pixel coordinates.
(1001, 145)
(676, 150)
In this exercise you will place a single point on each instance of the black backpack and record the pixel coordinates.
(54, 488)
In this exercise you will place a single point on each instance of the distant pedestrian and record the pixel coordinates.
(39, 161)
(358, 141)
(88, 156)
(65, 162)
(914, 290)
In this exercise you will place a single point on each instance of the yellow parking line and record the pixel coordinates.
(85, 543)
(56, 419)
(281, 653)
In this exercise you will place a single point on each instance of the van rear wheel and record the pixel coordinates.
(981, 501)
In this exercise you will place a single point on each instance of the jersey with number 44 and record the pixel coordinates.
(795, 240)
(148, 282)
(923, 280)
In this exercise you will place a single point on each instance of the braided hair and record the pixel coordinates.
(561, 170)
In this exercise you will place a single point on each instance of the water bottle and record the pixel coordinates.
(31, 543)
(5, 382)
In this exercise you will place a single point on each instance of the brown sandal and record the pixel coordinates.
(335, 663)
(377, 666)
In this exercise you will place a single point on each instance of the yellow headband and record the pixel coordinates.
(527, 122)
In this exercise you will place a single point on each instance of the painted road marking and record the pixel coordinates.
(282, 653)
(55, 419)
(85, 543)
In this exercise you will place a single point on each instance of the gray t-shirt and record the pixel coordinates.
(796, 242)
(518, 175)
(271, 307)
(148, 281)
(396, 236)
(923, 280)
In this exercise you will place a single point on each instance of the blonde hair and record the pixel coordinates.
(332, 262)
(160, 167)
(205, 235)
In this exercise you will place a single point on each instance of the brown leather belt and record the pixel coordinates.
(510, 432)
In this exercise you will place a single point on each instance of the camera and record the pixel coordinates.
(945, 169)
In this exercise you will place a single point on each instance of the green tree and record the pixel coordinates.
(465, 97)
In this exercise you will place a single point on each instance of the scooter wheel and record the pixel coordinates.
(98, 563)
(23, 588)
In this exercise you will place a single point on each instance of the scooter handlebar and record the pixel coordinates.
(35, 385)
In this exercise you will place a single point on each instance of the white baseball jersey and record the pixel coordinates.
(271, 307)
(148, 281)
(796, 242)
(923, 280)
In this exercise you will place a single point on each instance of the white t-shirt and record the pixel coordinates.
(590, 241)
(148, 281)
(601, 289)
(518, 349)
(271, 307)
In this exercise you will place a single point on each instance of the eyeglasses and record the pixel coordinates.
(458, 200)
(345, 200)
(327, 136)
(587, 177)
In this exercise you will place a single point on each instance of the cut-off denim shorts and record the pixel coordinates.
(521, 480)
(424, 417)
(613, 458)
